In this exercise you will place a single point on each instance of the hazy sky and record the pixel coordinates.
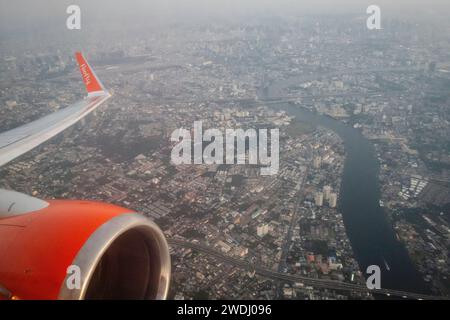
(28, 23)
(21, 13)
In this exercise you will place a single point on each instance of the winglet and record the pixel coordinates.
(91, 81)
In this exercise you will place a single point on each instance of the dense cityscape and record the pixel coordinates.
(392, 86)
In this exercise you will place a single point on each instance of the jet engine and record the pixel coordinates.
(65, 249)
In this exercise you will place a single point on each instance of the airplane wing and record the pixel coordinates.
(17, 141)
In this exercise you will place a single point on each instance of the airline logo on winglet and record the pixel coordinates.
(86, 76)
(90, 80)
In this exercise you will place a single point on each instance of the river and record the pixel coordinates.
(371, 234)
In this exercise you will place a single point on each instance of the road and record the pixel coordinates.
(292, 278)
(288, 238)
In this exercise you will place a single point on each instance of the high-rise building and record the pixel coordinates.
(262, 230)
(326, 193)
(332, 201)
(317, 162)
(318, 199)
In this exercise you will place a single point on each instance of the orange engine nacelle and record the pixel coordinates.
(119, 254)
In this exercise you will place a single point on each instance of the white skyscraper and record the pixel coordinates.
(317, 162)
(332, 200)
(262, 230)
(318, 198)
(326, 193)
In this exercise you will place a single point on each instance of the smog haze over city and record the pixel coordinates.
(355, 101)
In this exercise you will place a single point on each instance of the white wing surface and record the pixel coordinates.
(20, 140)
